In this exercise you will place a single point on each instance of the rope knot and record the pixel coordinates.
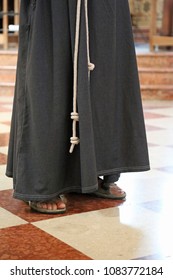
(74, 140)
(75, 116)
(91, 66)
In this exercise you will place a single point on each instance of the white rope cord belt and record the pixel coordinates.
(74, 140)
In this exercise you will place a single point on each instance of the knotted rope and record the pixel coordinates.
(74, 140)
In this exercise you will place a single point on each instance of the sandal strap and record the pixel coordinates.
(107, 189)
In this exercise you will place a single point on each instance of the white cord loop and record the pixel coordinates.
(74, 140)
(91, 66)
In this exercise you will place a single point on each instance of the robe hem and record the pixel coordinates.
(28, 197)
(9, 174)
(123, 170)
(78, 189)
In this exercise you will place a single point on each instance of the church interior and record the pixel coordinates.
(138, 228)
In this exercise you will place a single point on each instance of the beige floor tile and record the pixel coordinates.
(8, 106)
(6, 99)
(164, 111)
(4, 116)
(166, 123)
(160, 156)
(4, 150)
(7, 219)
(114, 233)
(5, 182)
(142, 187)
(4, 128)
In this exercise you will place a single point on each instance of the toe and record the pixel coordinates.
(50, 205)
(60, 204)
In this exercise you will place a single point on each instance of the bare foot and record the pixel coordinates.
(111, 191)
(117, 191)
(52, 206)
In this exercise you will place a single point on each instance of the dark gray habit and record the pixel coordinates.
(111, 127)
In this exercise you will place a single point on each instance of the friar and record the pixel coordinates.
(77, 120)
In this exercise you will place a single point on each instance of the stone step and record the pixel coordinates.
(155, 72)
(163, 59)
(7, 74)
(154, 60)
(157, 92)
(8, 58)
(156, 76)
(147, 75)
(6, 89)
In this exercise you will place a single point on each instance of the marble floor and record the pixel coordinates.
(93, 228)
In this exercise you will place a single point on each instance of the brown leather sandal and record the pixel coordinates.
(58, 206)
(111, 192)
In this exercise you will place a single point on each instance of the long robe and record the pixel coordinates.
(111, 124)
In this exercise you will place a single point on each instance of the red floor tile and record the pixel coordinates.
(149, 115)
(153, 128)
(26, 242)
(7, 123)
(4, 109)
(76, 204)
(152, 145)
(4, 139)
(3, 159)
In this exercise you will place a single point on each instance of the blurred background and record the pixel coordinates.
(152, 23)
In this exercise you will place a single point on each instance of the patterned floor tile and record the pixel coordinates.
(155, 257)
(7, 219)
(5, 183)
(160, 157)
(6, 99)
(5, 116)
(76, 204)
(6, 122)
(156, 108)
(163, 138)
(4, 139)
(167, 112)
(165, 123)
(168, 169)
(152, 127)
(4, 128)
(152, 145)
(169, 146)
(110, 234)
(26, 242)
(4, 150)
(5, 109)
(149, 115)
(3, 159)
(138, 228)
(155, 205)
(157, 104)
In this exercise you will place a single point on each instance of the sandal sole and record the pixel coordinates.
(109, 196)
(47, 211)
